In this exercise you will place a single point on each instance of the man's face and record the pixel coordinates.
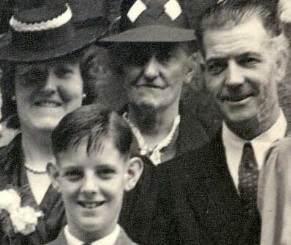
(241, 71)
(154, 73)
(92, 188)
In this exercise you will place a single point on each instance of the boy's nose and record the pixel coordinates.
(89, 185)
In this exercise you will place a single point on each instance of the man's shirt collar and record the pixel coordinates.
(233, 144)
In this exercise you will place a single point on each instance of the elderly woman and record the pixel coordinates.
(44, 79)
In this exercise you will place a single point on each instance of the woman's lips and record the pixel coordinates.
(48, 103)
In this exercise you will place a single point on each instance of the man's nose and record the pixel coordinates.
(234, 74)
(151, 70)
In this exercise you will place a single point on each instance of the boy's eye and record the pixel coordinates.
(73, 175)
(106, 173)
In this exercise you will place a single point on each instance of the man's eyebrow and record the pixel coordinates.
(216, 60)
(249, 54)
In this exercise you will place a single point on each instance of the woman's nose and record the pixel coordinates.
(151, 70)
(50, 84)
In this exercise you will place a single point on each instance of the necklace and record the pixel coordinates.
(34, 170)
(154, 153)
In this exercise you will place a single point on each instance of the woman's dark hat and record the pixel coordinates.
(54, 29)
(152, 21)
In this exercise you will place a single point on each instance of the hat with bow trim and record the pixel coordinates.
(152, 21)
(155, 21)
(49, 29)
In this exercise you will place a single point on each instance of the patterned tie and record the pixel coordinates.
(248, 179)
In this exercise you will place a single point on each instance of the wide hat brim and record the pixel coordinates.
(83, 37)
(152, 33)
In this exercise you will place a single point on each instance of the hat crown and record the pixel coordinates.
(138, 13)
(52, 28)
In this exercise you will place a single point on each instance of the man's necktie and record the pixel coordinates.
(248, 179)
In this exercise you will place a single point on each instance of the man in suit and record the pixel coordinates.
(209, 195)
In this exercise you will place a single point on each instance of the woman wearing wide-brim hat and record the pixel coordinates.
(45, 77)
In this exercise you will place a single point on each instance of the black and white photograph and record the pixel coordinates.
(145, 122)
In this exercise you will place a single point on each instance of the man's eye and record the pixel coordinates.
(73, 175)
(248, 62)
(215, 68)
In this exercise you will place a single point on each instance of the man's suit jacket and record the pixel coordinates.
(199, 204)
(122, 239)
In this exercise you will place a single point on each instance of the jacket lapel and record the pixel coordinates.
(123, 239)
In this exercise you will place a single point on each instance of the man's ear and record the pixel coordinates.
(281, 65)
(53, 171)
(134, 171)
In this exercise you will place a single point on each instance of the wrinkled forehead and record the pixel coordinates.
(247, 37)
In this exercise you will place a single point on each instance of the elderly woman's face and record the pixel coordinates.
(46, 92)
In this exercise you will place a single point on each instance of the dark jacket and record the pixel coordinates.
(139, 204)
(122, 239)
(199, 204)
(13, 174)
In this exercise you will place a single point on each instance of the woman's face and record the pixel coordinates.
(46, 92)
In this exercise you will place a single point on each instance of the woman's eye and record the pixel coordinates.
(63, 72)
(34, 76)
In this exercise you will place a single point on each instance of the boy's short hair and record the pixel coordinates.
(92, 124)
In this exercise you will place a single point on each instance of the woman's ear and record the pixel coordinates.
(53, 172)
(133, 173)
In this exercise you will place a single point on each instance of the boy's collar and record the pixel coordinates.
(110, 239)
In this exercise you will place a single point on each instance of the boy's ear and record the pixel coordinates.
(53, 172)
(133, 173)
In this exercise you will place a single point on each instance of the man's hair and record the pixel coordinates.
(235, 13)
(92, 124)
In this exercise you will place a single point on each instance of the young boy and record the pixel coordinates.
(93, 169)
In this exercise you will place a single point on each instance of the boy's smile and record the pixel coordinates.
(92, 186)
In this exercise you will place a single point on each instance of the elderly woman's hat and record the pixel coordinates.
(53, 28)
(155, 21)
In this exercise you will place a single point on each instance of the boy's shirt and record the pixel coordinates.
(107, 240)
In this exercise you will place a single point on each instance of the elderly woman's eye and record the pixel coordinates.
(63, 72)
